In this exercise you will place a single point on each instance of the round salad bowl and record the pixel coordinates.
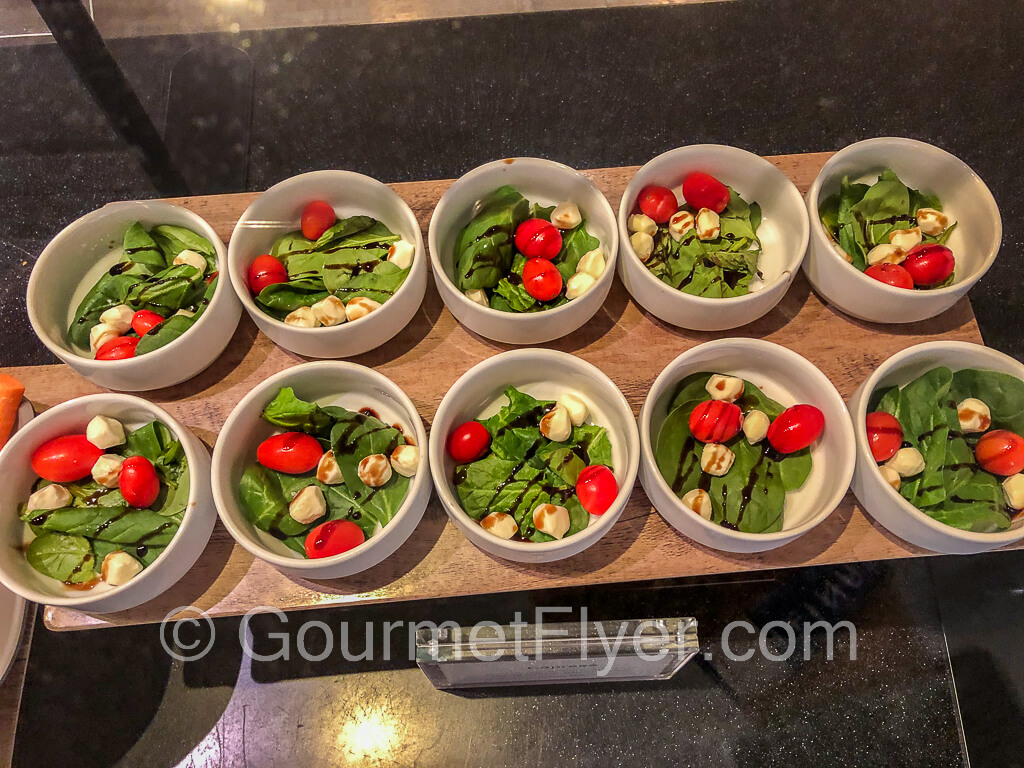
(327, 383)
(786, 377)
(974, 243)
(71, 418)
(544, 374)
(540, 181)
(278, 210)
(75, 259)
(880, 500)
(783, 236)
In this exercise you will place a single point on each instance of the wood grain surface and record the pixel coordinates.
(629, 345)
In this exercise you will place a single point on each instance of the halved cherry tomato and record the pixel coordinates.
(138, 482)
(291, 452)
(796, 428)
(1000, 452)
(468, 442)
(538, 239)
(65, 459)
(317, 218)
(702, 190)
(929, 264)
(333, 538)
(890, 274)
(596, 488)
(659, 203)
(145, 321)
(120, 348)
(715, 421)
(885, 435)
(541, 279)
(265, 270)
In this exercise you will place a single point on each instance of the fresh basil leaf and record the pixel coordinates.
(260, 495)
(484, 248)
(294, 414)
(121, 525)
(291, 243)
(280, 299)
(143, 251)
(344, 228)
(575, 243)
(69, 559)
(173, 240)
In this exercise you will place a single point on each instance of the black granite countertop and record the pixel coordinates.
(589, 88)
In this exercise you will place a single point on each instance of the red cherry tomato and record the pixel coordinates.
(796, 428)
(541, 279)
(120, 348)
(596, 488)
(468, 442)
(890, 274)
(885, 435)
(715, 421)
(138, 482)
(929, 264)
(291, 452)
(538, 239)
(145, 321)
(1000, 452)
(702, 190)
(265, 270)
(317, 218)
(333, 538)
(659, 203)
(65, 459)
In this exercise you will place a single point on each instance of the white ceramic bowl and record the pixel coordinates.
(539, 181)
(886, 505)
(786, 377)
(783, 235)
(278, 211)
(328, 383)
(974, 243)
(72, 263)
(71, 418)
(544, 374)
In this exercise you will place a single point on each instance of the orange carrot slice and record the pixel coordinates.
(11, 392)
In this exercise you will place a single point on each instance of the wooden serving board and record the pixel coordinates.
(629, 345)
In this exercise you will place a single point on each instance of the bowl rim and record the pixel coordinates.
(84, 600)
(593, 532)
(949, 347)
(671, 374)
(821, 236)
(237, 279)
(653, 283)
(440, 210)
(218, 474)
(112, 210)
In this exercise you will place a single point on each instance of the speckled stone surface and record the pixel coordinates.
(891, 706)
(592, 88)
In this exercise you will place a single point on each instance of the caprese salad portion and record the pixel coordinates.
(107, 503)
(331, 270)
(518, 256)
(333, 480)
(536, 470)
(158, 289)
(891, 232)
(951, 444)
(706, 246)
(731, 454)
